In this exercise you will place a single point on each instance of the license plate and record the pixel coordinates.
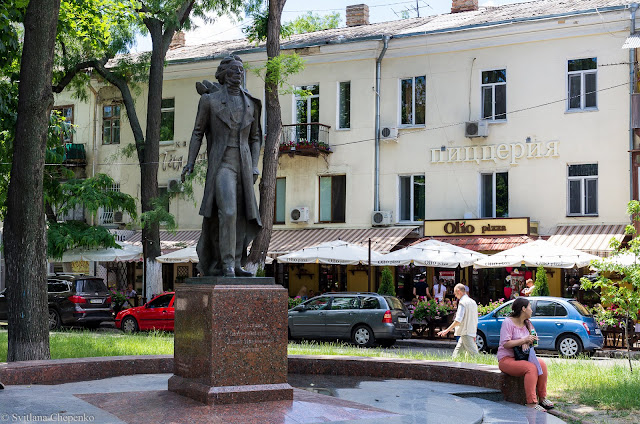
(598, 332)
(95, 301)
(401, 319)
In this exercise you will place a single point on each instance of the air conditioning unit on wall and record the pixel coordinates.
(299, 214)
(174, 184)
(389, 134)
(382, 218)
(476, 129)
(118, 217)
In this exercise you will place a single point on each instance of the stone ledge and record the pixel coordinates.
(60, 371)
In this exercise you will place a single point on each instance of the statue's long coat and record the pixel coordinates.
(214, 120)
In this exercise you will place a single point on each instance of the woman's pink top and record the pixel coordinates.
(509, 331)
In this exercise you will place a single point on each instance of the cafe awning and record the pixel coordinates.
(486, 243)
(592, 239)
(382, 239)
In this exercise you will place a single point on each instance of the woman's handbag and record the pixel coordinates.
(520, 354)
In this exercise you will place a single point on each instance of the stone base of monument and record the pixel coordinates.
(230, 342)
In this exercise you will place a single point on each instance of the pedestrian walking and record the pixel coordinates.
(465, 323)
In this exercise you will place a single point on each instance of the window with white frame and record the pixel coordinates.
(494, 95)
(111, 124)
(308, 112)
(344, 105)
(106, 215)
(582, 84)
(413, 99)
(167, 119)
(582, 190)
(494, 195)
(281, 201)
(412, 198)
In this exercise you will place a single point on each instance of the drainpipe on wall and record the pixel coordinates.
(376, 191)
(632, 78)
(94, 137)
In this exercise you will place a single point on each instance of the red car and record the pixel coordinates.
(157, 314)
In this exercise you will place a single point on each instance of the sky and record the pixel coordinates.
(379, 11)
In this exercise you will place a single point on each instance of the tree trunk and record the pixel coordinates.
(260, 245)
(151, 155)
(25, 242)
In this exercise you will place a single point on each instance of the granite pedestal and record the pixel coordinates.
(230, 341)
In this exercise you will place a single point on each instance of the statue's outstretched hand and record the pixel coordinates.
(186, 171)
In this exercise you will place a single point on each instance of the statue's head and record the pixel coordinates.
(230, 71)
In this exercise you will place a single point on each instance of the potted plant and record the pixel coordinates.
(117, 300)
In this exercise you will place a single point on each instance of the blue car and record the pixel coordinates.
(562, 324)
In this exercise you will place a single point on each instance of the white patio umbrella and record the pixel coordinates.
(624, 259)
(536, 253)
(128, 252)
(188, 254)
(335, 252)
(432, 253)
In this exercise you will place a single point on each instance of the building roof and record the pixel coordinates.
(483, 17)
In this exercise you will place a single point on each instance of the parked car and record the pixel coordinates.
(564, 325)
(157, 314)
(73, 300)
(363, 318)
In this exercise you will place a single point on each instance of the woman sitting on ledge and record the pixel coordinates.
(515, 331)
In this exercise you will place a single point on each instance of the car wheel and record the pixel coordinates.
(387, 342)
(363, 336)
(129, 325)
(54, 319)
(569, 345)
(481, 342)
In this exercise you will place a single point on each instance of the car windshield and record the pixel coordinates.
(582, 310)
(394, 303)
(91, 286)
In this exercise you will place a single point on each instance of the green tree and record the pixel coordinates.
(541, 286)
(24, 241)
(624, 293)
(311, 22)
(386, 285)
(274, 77)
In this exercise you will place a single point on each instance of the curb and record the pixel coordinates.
(566, 416)
(442, 344)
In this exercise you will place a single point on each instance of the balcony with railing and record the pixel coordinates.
(74, 155)
(311, 139)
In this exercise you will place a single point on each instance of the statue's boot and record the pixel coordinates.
(241, 272)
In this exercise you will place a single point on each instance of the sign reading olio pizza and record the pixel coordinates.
(477, 227)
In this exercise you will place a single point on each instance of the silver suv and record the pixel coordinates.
(363, 318)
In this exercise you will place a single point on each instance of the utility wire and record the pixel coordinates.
(524, 109)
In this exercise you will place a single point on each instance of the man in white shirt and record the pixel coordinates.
(465, 323)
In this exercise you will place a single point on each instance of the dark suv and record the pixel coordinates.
(363, 318)
(73, 300)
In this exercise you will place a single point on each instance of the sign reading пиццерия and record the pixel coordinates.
(513, 152)
(477, 227)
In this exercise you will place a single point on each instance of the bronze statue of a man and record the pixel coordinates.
(230, 118)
